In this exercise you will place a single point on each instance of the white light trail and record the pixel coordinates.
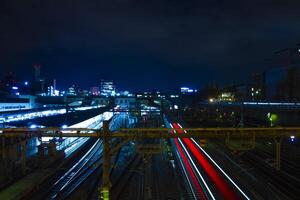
(237, 187)
(191, 161)
(45, 113)
(185, 173)
(210, 158)
(198, 172)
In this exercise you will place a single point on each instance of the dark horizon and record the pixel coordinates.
(145, 45)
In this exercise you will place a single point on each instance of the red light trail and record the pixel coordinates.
(223, 187)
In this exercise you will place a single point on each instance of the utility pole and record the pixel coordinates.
(278, 152)
(104, 191)
(242, 115)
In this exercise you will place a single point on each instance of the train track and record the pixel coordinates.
(71, 180)
(283, 183)
(288, 167)
(140, 191)
(277, 184)
(81, 171)
(191, 191)
(129, 173)
(158, 181)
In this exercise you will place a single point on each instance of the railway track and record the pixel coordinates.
(159, 183)
(131, 173)
(289, 166)
(285, 184)
(73, 179)
(192, 183)
(274, 184)
(70, 180)
(64, 186)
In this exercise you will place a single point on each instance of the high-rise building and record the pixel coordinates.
(282, 82)
(50, 91)
(107, 88)
(258, 89)
(72, 91)
(37, 72)
(39, 83)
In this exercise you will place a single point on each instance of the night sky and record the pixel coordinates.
(145, 44)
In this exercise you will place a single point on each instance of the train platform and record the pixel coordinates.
(26, 185)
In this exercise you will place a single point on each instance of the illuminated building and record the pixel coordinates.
(22, 102)
(52, 92)
(226, 97)
(71, 91)
(107, 88)
(187, 90)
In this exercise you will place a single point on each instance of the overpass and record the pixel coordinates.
(228, 134)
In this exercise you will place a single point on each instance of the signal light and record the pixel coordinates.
(202, 142)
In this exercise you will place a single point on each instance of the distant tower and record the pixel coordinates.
(54, 84)
(37, 72)
(38, 81)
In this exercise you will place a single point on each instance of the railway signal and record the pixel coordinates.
(202, 142)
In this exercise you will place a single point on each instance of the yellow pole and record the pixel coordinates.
(106, 163)
(278, 151)
(23, 155)
(3, 148)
